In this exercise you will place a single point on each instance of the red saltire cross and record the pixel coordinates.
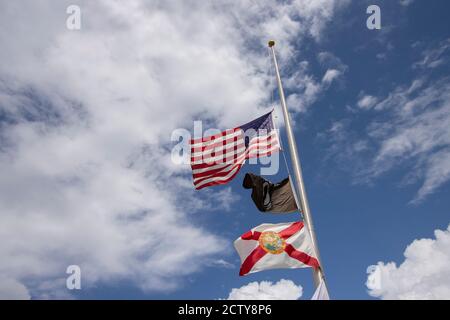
(259, 252)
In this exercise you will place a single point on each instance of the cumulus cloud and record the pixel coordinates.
(266, 290)
(85, 124)
(424, 274)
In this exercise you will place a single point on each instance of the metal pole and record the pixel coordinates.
(318, 274)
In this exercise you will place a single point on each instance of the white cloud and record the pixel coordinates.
(409, 128)
(344, 144)
(367, 102)
(381, 56)
(331, 75)
(266, 290)
(437, 173)
(406, 3)
(87, 117)
(425, 273)
(11, 289)
(336, 68)
(434, 57)
(329, 60)
(307, 88)
(418, 130)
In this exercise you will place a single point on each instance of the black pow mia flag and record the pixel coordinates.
(269, 197)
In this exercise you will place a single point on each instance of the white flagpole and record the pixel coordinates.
(318, 274)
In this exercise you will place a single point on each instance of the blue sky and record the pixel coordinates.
(373, 142)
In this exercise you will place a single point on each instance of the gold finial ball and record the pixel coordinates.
(271, 43)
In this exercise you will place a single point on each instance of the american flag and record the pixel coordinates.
(217, 159)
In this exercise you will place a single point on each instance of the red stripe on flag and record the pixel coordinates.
(291, 230)
(211, 173)
(250, 261)
(218, 182)
(228, 152)
(251, 235)
(301, 256)
(220, 173)
(214, 136)
(290, 250)
(216, 159)
(218, 146)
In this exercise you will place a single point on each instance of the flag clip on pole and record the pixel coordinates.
(318, 274)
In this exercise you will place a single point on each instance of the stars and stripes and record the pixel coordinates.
(274, 246)
(217, 159)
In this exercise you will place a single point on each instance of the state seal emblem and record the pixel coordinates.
(272, 242)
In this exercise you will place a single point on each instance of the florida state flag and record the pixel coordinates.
(275, 246)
